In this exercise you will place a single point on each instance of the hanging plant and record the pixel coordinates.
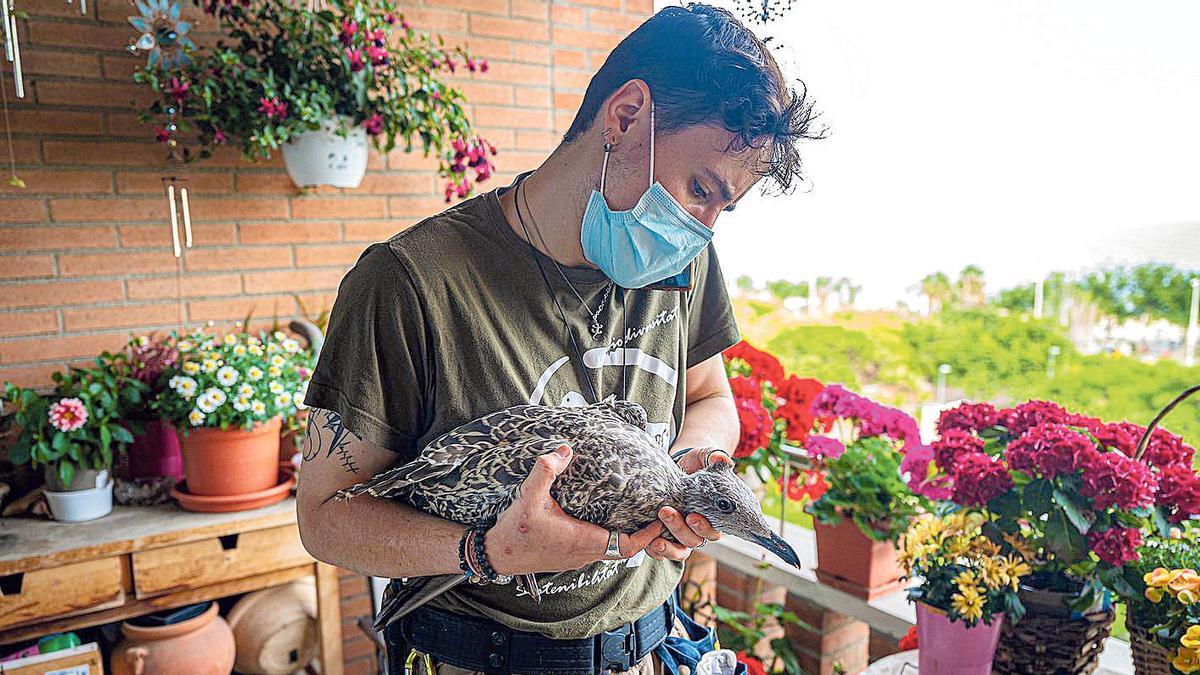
(352, 66)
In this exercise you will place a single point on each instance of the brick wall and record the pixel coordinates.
(85, 250)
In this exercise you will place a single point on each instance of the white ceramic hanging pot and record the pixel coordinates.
(323, 157)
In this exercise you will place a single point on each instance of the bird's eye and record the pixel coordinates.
(724, 505)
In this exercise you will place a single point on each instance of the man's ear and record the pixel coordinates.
(625, 108)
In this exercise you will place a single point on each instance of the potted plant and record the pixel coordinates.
(874, 467)
(75, 433)
(154, 454)
(320, 85)
(1067, 492)
(754, 635)
(1165, 605)
(228, 397)
(965, 587)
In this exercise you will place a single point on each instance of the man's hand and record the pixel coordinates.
(695, 530)
(534, 534)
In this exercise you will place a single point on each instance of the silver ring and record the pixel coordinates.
(613, 551)
(710, 453)
(702, 544)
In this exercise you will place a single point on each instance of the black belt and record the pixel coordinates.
(483, 645)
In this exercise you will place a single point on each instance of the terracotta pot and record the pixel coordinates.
(289, 442)
(850, 561)
(221, 462)
(153, 454)
(275, 629)
(202, 645)
(951, 647)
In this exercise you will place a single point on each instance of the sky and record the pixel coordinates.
(1023, 136)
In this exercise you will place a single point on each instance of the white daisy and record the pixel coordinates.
(254, 373)
(185, 346)
(230, 339)
(258, 408)
(209, 365)
(298, 400)
(274, 371)
(190, 367)
(275, 387)
(207, 344)
(279, 335)
(227, 376)
(291, 346)
(173, 383)
(239, 350)
(256, 350)
(278, 361)
(186, 387)
(206, 404)
(196, 417)
(272, 348)
(241, 404)
(245, 391)
(283, 400)
(217, 396)
(142, 340)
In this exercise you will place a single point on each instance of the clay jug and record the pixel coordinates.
(202, 645)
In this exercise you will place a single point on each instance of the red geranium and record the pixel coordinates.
(763, 366)
(754, 665)
(954, 443)
(910, 640)
(1116, 545)
(1179, 492)
(1110, 478)
(756, 425)
(808, 484)
(979, 479)
(968, 417)
(744, 387)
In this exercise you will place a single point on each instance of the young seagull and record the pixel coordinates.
(618, 479)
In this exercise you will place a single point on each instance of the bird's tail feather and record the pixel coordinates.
(411, 595)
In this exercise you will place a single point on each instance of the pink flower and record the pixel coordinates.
(968, 417)
(1031, 413)
(483, 65)
(978, 479)
(349, 28)
(219, 137)
(176, 90)
(1116, 545)
(355, 55)
(1179, 492)
(1049, 449)
(377, 37)
(1110, 478)
(373, 124)
(378, 55)
(954, 443)
(471, 65)
(68, 414)
(451, 65)
(162, 135)
(389, 18)
(824, 447)
(272, 107)
(405, 24)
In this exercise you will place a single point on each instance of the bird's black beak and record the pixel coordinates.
(777, 545)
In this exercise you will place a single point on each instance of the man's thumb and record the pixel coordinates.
(545, 470)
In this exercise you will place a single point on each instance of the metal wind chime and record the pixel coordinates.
(12, 54)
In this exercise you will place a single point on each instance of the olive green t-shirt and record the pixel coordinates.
(451, 319)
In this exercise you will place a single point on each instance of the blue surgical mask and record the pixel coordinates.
(654, 240)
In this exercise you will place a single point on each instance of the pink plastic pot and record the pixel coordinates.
(153, 454)
(951, 648)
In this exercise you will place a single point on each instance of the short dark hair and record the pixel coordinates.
(704, 67)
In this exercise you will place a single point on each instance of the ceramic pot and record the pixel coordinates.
(322, 157)
(951, 647)
(223, 462)
(202, 645)
(275, 629)
(77, 506)
(84, 479)
(154, 453)
(850, 561)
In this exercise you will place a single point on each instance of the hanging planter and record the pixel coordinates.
(1053, 638)
(326, 157)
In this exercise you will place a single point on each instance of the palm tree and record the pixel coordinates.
(970, 286)
(937, 290)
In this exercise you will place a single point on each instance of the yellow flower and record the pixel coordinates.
(993, 573)
(1187, 597)
(1154, 595)
(1191, 639)
(1186, 660)
(968, 603)
(1159, 577)
(958, 546)
(967, 581)
(984, 547)
(190, 367)
(1020, 546)
(1015, 568)
(1185, 579)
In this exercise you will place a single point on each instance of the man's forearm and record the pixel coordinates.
(709, 422)
(380, 537)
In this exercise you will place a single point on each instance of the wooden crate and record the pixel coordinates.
(65, 590)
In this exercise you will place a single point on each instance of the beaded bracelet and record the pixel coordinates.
(463, 563)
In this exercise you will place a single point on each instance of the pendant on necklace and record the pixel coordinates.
(597, 330)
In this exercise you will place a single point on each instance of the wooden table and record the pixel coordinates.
(64, 576)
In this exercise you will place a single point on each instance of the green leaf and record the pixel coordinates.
(1070, 508)
(783, 649)
(1159, 517)
(1063, 539)
(66, 471)
(105, 437)
(1039, 496)
(60, 442)
(1114, 578)
(122, 435)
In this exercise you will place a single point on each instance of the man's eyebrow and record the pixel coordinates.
(722, 185)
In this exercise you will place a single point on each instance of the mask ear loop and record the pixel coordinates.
(652, 143)
(608, 146)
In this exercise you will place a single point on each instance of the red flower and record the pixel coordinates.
(1112, 478)
(968, 417)
(176, 90)
(744, 387)
(1049, 449)
(798, 394)
(1166, 449)
(373, 125)
(910, 640)
(378, 55)
(1120, 436)
(954, 442)
(357, 61)
(1179, 492)
(979, 479)
(763, 366)
(808, 484)
(349, 28)
(483, 65)
(162, 135)
(756, 426)
(754, 665)
(1116, 545)
(377, 37)
(1032, 413)
(272, 108)
(219, 137)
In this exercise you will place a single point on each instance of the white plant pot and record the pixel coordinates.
(80, 505)
(324, 158)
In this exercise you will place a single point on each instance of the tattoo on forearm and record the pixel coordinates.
(330, 434)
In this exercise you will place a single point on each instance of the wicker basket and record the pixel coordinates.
(1149, 657)
(1047, 641)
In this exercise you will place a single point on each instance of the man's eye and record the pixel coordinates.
(698, 190)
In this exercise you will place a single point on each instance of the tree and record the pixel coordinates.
(970, 286)
(847, 291)
(1151, 290)
(937, 290)
(783, 289)
(745, 283)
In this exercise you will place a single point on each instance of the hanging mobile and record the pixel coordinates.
(13, 179)
(164, 37)
(177, 203)
(82, 6)
(12, 47)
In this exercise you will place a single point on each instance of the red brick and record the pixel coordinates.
(283, 233)
(566, 15)
(616, 21)
(49, 180)
(321, 256)
(26, 266)
(492, 49)
(509, 116)
(28, 323)
(572, 79)
(370, 230)
(128, 316)
(589, 39)
(513, 29)
(528, 52)
(397, 184)
(159, 234)
(38, 120)
(412, 209)
(62, 347)
(530, 9)
(361, 667)
(50, 238)
(93, 264)
(96, 152)
(353, 649)
(58, 62)
(569, 58)
(436, 20)
(287, 282)
(610, 4)
(236, 208)
(252, 257)
(138, 182)
(92, 94)
(355, 608)
(120, 67)
(30, 210)
(568, 100)
(31, 376)
(59, 9)
(316, 303)
(414, 161)
(192, 285)
(518, 73)
(480, 91)
(642, 7)
(473, 6)
(236, 309)
(118, 124)
(84, 210)
(533, 97)
(266, 183)
(333, 207)
(78, 36)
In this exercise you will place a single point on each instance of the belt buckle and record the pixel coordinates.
(617, 648)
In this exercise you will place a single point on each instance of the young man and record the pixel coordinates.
(536, 293)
